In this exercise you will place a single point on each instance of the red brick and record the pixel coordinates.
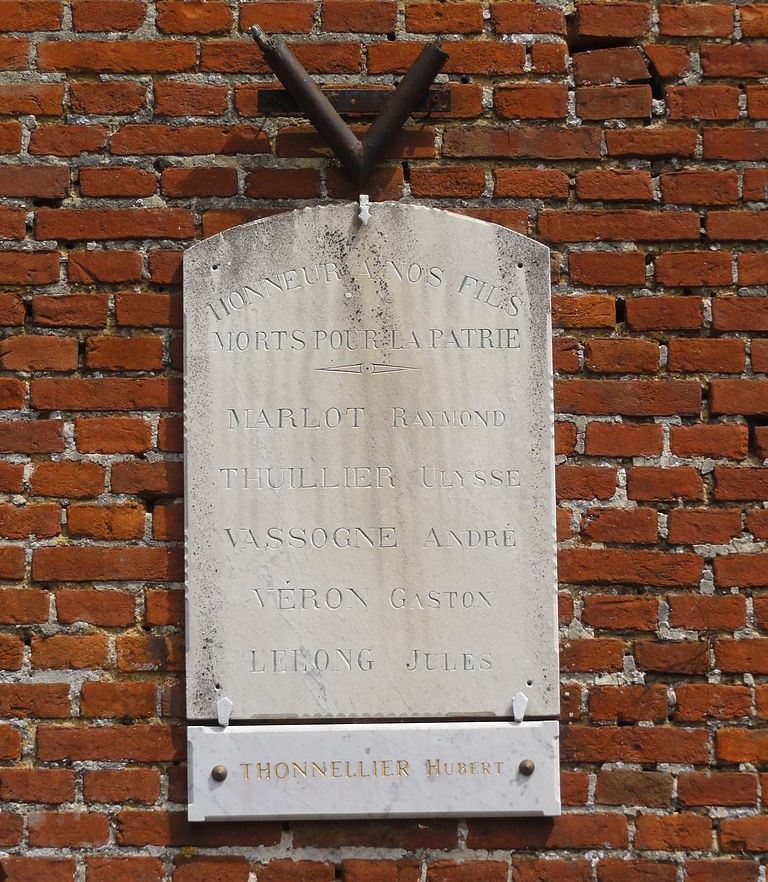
(20, 606)
(124, 353)
(65, 651)
(362, 16)
(121, 785)
(149, 653)
(613, 102)
(614, 566)
(165, 266)
(630, 787)
(142, 828)
(45, 700)
(290, 17)
(93, 267)
(566, 831)
(549, 58)
(141, 743)
(739, 396)
(70, 140)
(12, 220)
(683, 831)
(627, 744)
(107, 15)
(239, 56)
(289, 183)
(106, 608)
(751, 226)
(585, 482)
(692, 526)
(623, 64)
(740, 314)
(699, 187)
(663, 313)
(757, 104)
(619, 185)
(127, 223)
(192, 17)
(119, 393)
(114, 97)
(44, 181)
(39, 353)
(701, 701)
(67, 829)
(524, 142)
(403, 870)
(723, 788)
(529, 183)
(76, 480)
(754, 19)
(753, 269)
(41, 100)
(651, 142)
(130, 699)
(583, 311)
(696, 20)
(168, 522)
(34, 869)
(75, 310)
(747, 144)
(741, 571)
(618, 226)
(633, 526)
(443, 18)
(623, 439)
(694, 355)
(672, 657)
(719, 440)
(112, 435)
(236, 869)
(652, 484)
(720, 870)
(31, 436)
(10, 749)
(527, 18)
(30, 15)
(116, 181)
(483, 871)
(148, 478)
(703, 102)
(540, 101)
(606, 268)
(32, 519)
(621, 356)
(744, 834)
(617, 612)
(617, 870)
(127, 57)
(449, 181)
(125, 521)
(627, 397)
(694, 268)
(174, 98)
(14, 54)
(185, 182)
(615, 20)
(87, 564)
(164, 607)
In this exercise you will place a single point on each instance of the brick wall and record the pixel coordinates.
(630, 137)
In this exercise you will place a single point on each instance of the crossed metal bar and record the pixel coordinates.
(358, 156)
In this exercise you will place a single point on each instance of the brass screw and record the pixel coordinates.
(526, 767)
(219, 773)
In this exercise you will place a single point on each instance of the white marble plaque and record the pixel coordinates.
(369, 468)
(374, 770)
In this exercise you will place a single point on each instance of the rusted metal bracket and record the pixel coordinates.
(353, 102)
(358, 157)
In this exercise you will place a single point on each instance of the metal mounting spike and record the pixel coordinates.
(365, 212)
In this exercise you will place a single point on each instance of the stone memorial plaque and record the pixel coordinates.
(373, 770)
(370, 519)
